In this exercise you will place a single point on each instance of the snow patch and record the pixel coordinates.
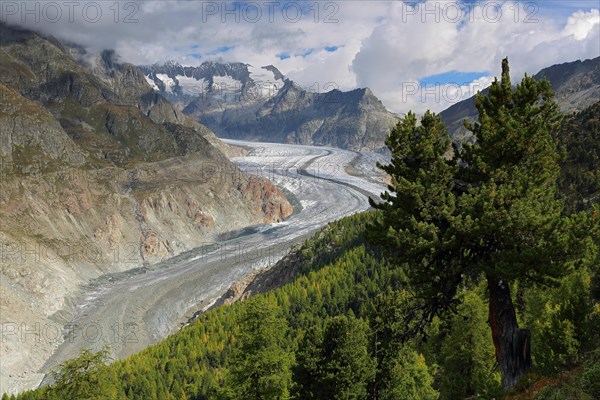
(151, 82)
(169, 83)
(228, 88)
(266, 84)
(192, 86)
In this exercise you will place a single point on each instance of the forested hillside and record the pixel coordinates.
(338, 327)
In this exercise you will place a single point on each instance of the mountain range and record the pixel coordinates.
(241, 101)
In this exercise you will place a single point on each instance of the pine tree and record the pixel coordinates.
(467, 354)
(517, 222)
(491, 211)
(418, 215)
(335, 363)
(309, 361)
(406, 377)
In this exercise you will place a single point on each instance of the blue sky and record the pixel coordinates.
(556, 8)
(564, 8)
(454, 77)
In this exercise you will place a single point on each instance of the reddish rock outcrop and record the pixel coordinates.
(155, 247)
(266, 198)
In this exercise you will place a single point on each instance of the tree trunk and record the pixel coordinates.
(513, 345)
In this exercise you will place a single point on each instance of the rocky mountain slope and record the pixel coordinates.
(245, 102)
(98, 174)
(579, 139)
(576, 85)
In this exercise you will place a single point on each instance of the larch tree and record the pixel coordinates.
(261, 364)
(85, 377)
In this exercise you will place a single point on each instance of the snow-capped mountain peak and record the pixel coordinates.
(224, 82)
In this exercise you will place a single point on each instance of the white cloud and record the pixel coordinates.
(402, 50)
(582, 24)
(386, 45)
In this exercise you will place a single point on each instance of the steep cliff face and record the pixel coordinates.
(98, 174)
(244, 102)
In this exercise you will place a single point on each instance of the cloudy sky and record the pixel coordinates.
(413, 55)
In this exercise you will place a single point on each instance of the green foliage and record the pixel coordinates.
(466, 356)
(402, 372)
(515, 221)
(565, 321)
(347, 365)
(492, 211)
(85, 377)
(581, 383)
(406, 376)
(579, 138)
(339, 364)
(418, 215)
(590, 378)
(561, 393)
(307, 371)
(260, 364)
